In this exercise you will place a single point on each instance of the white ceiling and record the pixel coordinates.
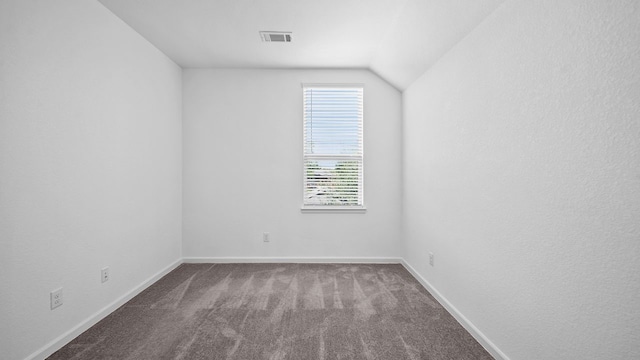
(398, 39)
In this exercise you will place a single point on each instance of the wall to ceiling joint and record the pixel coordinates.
(522, 175)
(90, 167)
(512, 154)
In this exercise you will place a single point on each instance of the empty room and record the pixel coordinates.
(332, 179)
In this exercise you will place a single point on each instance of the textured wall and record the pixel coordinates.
(243, 167)
(90, 172)
(522, 175)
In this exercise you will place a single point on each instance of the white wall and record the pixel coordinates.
(242, 145)
(522, 175)
(90, 165)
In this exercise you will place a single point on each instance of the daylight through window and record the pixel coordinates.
(333, 151)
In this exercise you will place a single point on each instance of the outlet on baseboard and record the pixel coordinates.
(56, 298)
(104, 273)
(431, 258)
(265, 237)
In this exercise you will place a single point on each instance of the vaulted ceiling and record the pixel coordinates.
(397, 39)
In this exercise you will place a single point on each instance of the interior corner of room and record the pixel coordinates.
(501, 158)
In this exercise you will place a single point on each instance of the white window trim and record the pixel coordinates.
(333, 209)
(361, 209)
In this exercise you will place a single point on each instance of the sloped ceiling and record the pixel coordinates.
(423, 32)
(397, 39)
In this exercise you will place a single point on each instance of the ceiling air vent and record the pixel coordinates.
(276, 36)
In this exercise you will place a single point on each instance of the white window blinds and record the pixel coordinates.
(333, 149)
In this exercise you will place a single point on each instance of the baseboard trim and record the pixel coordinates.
(310, 260)
(468, 325)
(65, 338)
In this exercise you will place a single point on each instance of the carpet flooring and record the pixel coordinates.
(278, 312)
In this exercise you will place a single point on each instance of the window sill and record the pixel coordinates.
(333, 209)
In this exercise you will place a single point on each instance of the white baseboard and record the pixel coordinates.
(468, 325)
(65, 338)
(310, 260)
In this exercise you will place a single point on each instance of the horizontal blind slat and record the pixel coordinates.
(333, 146)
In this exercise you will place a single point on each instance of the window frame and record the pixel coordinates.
(319, 208)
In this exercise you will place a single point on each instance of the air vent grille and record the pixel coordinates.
(275, 36)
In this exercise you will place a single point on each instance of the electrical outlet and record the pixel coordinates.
(56, 298)
(431, 258)
(265, 237)
(105, 274)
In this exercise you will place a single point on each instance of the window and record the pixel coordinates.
(333, 151)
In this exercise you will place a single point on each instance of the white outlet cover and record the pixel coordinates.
(56, 298)
(104, 274)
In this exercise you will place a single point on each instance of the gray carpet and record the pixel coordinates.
(277, 312)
